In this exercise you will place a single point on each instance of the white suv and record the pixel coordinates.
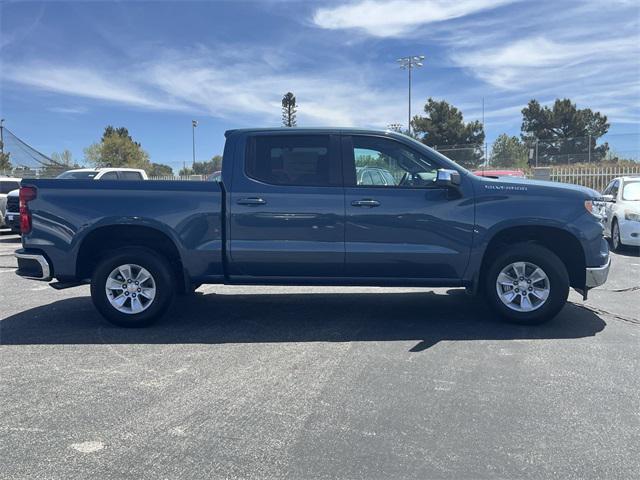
(104, 174)
(621, 215)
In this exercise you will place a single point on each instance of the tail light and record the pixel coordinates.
(26, 195)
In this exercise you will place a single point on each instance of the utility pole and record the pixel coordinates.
(409, 63)
(1, 136)
(486, 158)
(194, 124)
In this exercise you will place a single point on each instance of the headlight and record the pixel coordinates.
(594, 208)
(629, 215)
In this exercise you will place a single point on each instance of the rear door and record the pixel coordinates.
(287, 207)
(407, 227)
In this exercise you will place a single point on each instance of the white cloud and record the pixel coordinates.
(535, 62)
(82, 82)
(69, 110)
(393, 18)
(246, 93)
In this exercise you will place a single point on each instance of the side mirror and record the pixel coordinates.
(448, 178)
(608, 198)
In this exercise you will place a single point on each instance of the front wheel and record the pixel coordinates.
(132, 287)
(616, 242)
(527, 284)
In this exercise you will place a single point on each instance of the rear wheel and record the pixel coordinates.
(527, 283)
(132, 287)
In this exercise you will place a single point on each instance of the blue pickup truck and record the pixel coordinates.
(315, 207)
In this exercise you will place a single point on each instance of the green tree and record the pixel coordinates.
(509, 151)
(5, 160)
(289, 109)
(160, 170)
(564, 133)
(204, 168)
(117, 149)
(444, 128)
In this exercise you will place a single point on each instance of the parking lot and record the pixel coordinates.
(281, 382)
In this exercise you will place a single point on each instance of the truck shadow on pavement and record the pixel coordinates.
(422, 317)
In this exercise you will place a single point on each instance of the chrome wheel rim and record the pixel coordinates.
(616, 235)
(523, 286)
(130, 288)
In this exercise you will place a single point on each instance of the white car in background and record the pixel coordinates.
(621, 215)
(6, 185)
(106, 173)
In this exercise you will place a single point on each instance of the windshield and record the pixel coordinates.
(7, 185)
(631, 191)
(87, 175)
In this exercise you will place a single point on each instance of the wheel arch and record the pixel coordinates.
(558, 240)
(101, 240)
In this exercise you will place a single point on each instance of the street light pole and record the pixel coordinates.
(409, 63)
(194, 124)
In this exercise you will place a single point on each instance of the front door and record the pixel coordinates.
(399, 224)
(287, 207)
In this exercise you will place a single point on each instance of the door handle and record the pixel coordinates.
(366, 203)
(251, 201)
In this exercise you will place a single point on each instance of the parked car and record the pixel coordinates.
(6, 185)
(499, 173)
(621, 215)
(215, 176)
(374, 176)
(289, 211)
(106, 173)
(12, 213)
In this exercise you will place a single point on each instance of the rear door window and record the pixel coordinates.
(130, 176)
(296, 160)
(109, 176)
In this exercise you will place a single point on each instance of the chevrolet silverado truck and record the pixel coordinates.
(290, 209)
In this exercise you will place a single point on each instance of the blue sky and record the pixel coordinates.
(70, 68)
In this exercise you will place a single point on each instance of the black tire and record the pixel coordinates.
(552, 267)
(616, 243)
(159, 269)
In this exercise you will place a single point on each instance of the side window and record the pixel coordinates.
(130, 176)
(109, 176)
(607, 191)
(391, 164)
(300, 160)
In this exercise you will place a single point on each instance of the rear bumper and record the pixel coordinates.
(596, 276)
(33, 266)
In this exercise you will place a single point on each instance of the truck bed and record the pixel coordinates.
(65, 212)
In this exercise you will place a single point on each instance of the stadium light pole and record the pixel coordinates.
(409, 63)
(194, 124)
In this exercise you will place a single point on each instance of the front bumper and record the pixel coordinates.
(629, 232)
(12, 220)
(33, 266)
(596, 276)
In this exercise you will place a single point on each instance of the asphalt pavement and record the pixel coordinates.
(297, 382)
